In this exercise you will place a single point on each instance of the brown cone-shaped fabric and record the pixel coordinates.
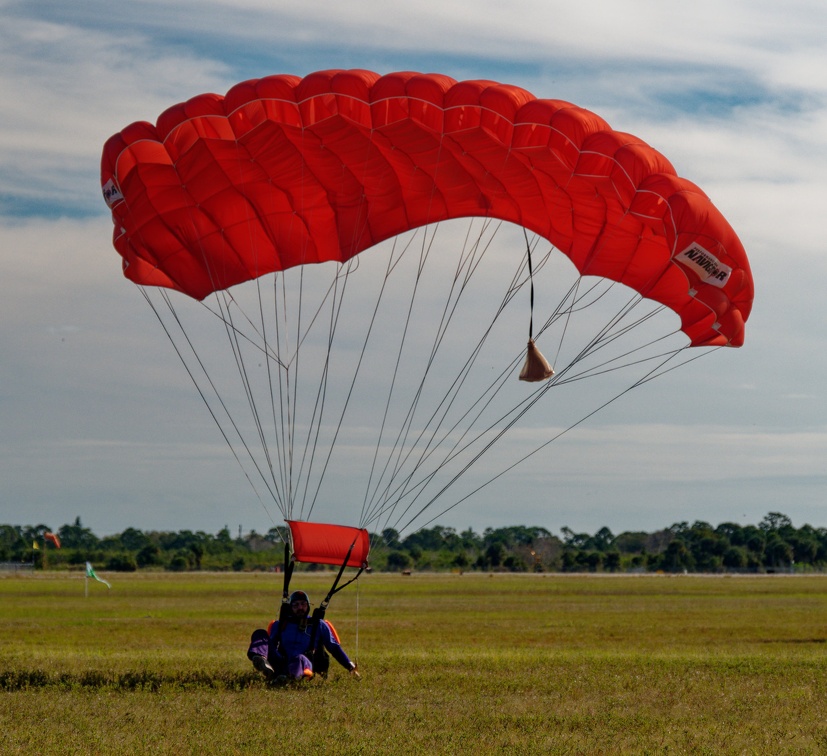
(536, 367)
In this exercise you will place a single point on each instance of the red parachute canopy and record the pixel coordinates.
(284, 171)
(329, 544)
(53, 538)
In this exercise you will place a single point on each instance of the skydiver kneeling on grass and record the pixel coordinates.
(298, 649)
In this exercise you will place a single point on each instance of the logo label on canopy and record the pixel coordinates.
(111, 193)
(705, 265)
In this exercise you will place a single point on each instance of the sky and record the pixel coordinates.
(97, 418)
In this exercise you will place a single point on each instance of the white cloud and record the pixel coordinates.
(733, 93)
(66, 89)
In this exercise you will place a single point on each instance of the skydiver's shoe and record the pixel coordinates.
(263, 666)
(308, 674)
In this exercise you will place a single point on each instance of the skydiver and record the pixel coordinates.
(297, 650)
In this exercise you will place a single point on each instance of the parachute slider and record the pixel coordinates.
(536, 367)
(322, 543)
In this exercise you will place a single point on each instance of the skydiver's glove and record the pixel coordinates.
(354, 672)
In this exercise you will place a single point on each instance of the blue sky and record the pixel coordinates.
(97, 419)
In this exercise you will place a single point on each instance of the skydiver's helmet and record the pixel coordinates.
(299, 596)
(299, 612)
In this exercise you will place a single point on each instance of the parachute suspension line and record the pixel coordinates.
(278, 417)
(207, 404)
(398, 444)
(296, 482)
(230, 329)
(644, 379)
(224, 302)
(608, 334)
(680, 364)
(493, 389)
(653, 373)
(232, 337)
(373, 319)
(572, 302)
(605, 336)
(291, 382)
(273, 491)
(315, 425)
(243, 158)
(337, 300)
(516, 414)
(468, 262)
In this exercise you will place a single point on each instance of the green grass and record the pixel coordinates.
(471, 664)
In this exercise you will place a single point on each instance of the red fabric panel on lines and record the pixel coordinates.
(321, 543)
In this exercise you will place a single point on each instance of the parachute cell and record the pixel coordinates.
(284, 171)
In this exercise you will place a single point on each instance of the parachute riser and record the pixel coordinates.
(289, 566)
(319, 612)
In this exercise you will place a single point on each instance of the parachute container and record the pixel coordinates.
(322, 543)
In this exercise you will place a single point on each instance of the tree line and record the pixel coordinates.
(774, 545)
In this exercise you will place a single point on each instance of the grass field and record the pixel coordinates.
(452, 664)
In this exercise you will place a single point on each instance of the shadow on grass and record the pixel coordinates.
(792, 640)
(12, 680)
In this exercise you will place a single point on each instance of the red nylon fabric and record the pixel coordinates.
(284, 171)
(321, 543)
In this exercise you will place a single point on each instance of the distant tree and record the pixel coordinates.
(775, 521)
(391, 538)
(398, 560)
(76, 536)
(470, 540)
(197, 549)
(12, 544)
(612, 561)
(224, 540)
(122, 563)
(574, 540)
(513, 563)
(731, 532)
(133, 539)
(149, 556)
(278, 534)
(602, 540)
(735, 557)
(179, 563)
(594, 560)
(631, 542)
(777, 552)
(677, 557)
(494, 554)
(461, 560)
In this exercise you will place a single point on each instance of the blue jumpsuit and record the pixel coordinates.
(292, 657)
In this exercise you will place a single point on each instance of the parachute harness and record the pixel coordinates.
(285, 610)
